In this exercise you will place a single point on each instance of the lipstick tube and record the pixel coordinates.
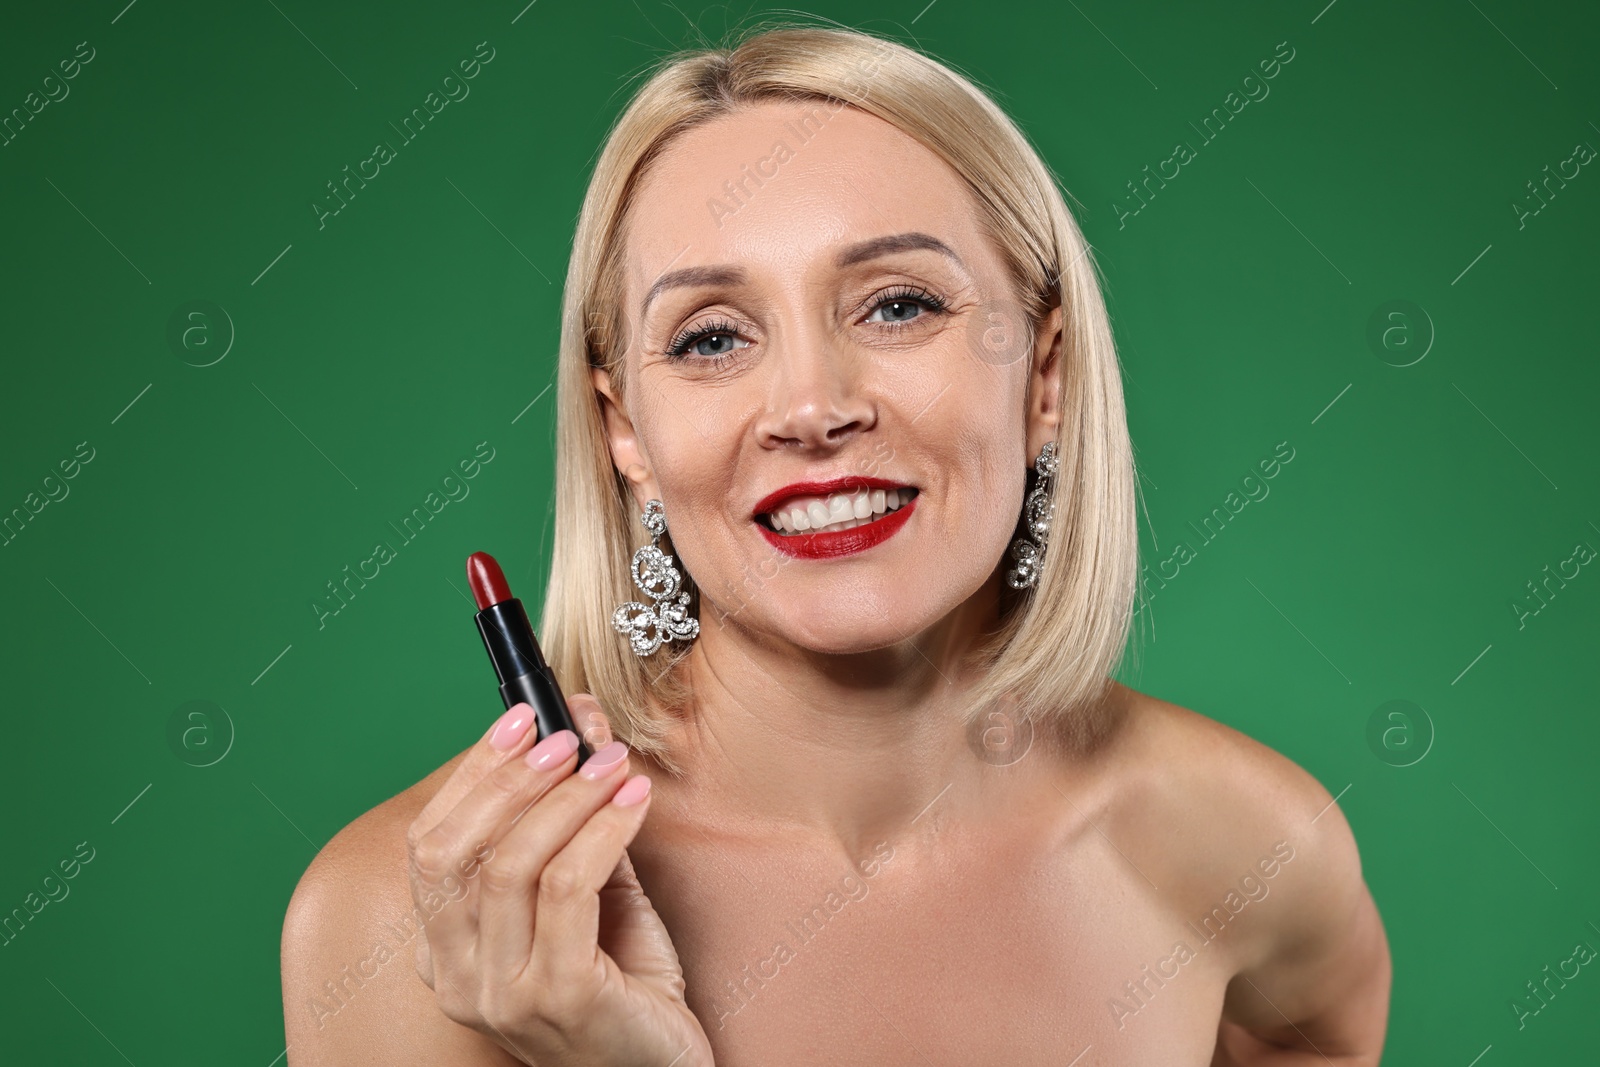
(519, 664)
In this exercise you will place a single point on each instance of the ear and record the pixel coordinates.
(1044, 388)
(626, 451)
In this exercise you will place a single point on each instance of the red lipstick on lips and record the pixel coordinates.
(835, 543)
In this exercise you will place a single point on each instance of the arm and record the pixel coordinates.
(1317, 992)
(351, 994)
(490, 919)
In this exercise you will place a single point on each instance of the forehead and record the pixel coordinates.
(782, 185)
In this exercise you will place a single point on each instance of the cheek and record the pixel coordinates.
(999, 492)
(976, 445)
(977, 484)
(694, 469)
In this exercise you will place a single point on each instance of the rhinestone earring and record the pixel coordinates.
(1036, 515)
(647, 625)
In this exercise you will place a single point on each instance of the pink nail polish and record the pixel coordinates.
(605, 761)
(633, 791)
(552, 750)
(510, 727)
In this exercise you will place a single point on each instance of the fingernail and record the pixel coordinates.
(552, 750)
(605, 761)
(632, 792)
(510, 727)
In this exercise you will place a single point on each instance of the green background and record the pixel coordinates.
(1382, 566)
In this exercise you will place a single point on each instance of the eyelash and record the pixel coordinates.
(681, 344)
(932, 301)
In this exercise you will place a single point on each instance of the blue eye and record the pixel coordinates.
(712, 343)
(896, 311)
(904, 299)
(722, 342)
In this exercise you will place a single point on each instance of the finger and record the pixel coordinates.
(437, 867)
(567, 927)
(447, 931)
(475, 828)
(506, 900)
(506, 738)
(489, 809)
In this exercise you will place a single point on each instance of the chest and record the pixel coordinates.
(935, 952)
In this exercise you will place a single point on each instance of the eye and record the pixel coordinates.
(904, 305)
(722, 342)
(713, 342)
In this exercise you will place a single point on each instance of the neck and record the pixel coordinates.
(854, 749)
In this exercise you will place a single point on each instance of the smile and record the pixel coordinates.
(808, 522)
(840, 511)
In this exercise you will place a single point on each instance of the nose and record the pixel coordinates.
(818, 401)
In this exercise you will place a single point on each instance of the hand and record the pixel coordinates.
(546, 943)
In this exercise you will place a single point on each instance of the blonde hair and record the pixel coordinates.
(1052, 656)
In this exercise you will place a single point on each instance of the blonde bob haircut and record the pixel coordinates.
(1050, 659)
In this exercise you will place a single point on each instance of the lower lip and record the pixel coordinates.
(840, 542)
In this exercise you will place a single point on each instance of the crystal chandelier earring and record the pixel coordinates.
(1036, 515)
(647, 625)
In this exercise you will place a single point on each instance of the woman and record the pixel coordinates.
(829, 319)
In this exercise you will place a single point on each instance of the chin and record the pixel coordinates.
(842, 622)
(844, 640)
(853, 605)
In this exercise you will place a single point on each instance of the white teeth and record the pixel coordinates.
(840, 511)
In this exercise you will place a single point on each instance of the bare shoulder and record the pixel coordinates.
(1203, 762)
(351, 992)
(1224, 820)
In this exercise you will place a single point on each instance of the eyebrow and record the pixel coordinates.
(859, 252)
(899, 242)
(692, 276)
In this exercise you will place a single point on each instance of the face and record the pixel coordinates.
(825, 328)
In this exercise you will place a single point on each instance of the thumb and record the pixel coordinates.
(632, 933)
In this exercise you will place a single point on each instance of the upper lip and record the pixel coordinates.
(849, 483)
